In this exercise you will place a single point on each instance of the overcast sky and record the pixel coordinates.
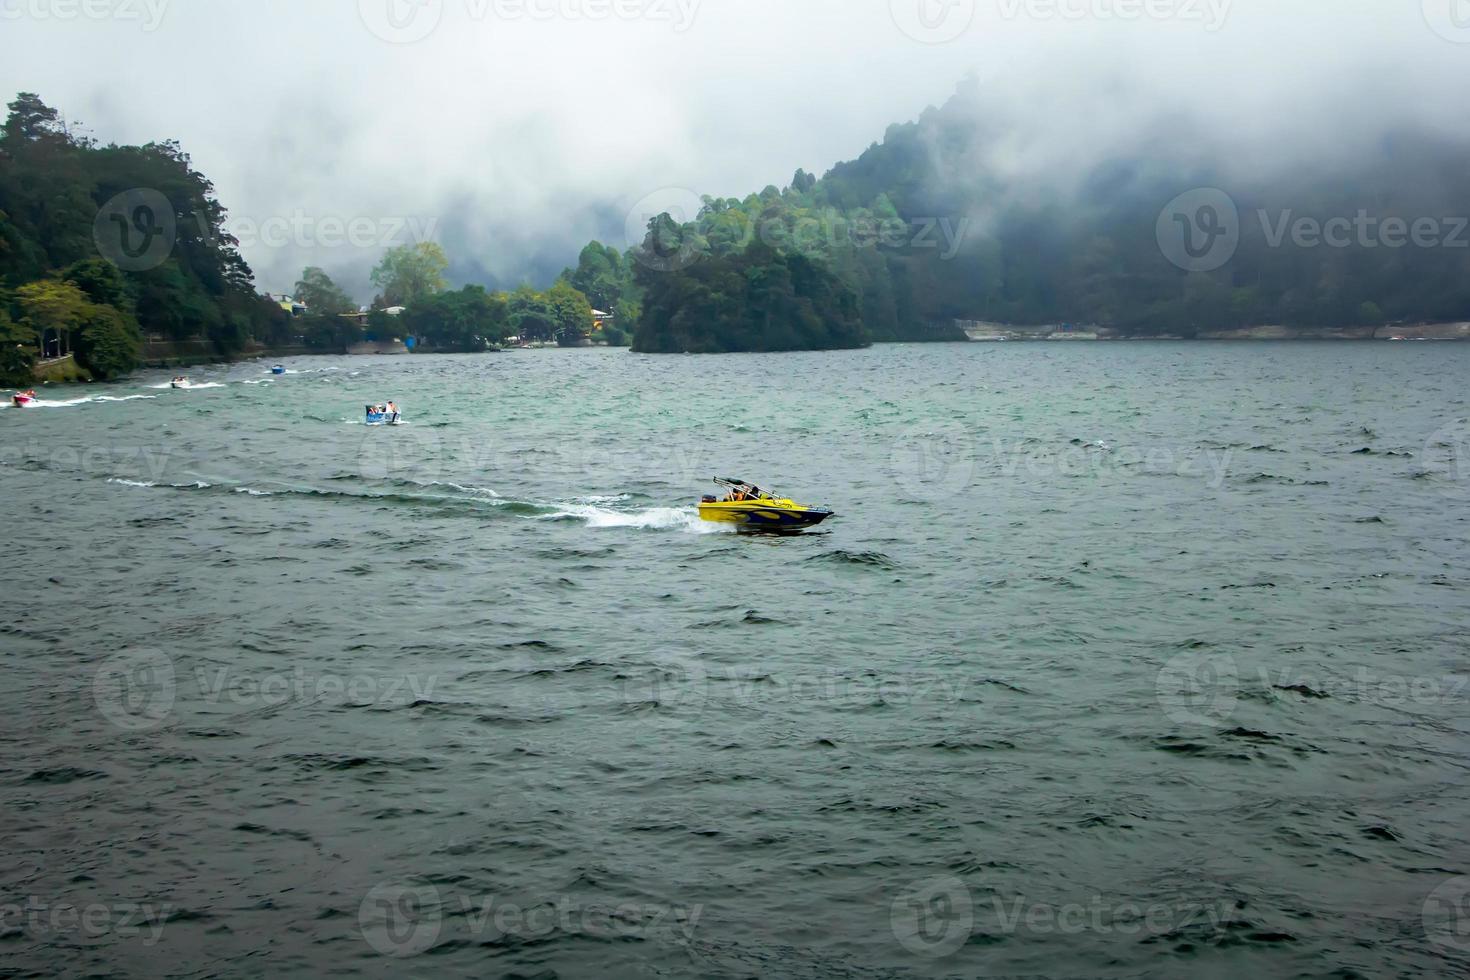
(515, 130)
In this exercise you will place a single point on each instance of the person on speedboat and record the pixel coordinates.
(392, 410)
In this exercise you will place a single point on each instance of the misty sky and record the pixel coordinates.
(513, 131)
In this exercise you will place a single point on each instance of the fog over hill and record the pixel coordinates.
(515, 132)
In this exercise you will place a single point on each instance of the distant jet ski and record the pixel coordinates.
(752, 508)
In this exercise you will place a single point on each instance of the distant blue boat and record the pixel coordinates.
(278, 369)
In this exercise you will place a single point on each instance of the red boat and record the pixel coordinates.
(24, 399)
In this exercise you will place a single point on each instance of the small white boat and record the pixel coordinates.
(182, 383)
(381, 415)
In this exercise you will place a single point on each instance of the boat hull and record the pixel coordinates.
(764, 515)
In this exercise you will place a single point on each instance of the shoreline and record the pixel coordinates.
(980, 331)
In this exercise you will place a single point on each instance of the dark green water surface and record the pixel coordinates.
(1118, 661)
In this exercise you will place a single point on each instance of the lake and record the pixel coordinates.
(1118, 660)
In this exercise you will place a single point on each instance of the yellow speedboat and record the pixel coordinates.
(754, 509)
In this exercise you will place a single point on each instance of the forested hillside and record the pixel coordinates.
(935, 224)
(96, 240)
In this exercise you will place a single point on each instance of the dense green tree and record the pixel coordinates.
(106, 340)
(54, 188)
(18, 352)
(531, 316)
(572, 314)
(334, 334)
(321, 295)
(109, 344)
(602, 276)
(925, 234)
(468, 320)
(761, 299)
(409, 273)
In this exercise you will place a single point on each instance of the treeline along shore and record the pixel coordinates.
(115, 256)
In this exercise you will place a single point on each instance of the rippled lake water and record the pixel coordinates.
(1136, 660)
